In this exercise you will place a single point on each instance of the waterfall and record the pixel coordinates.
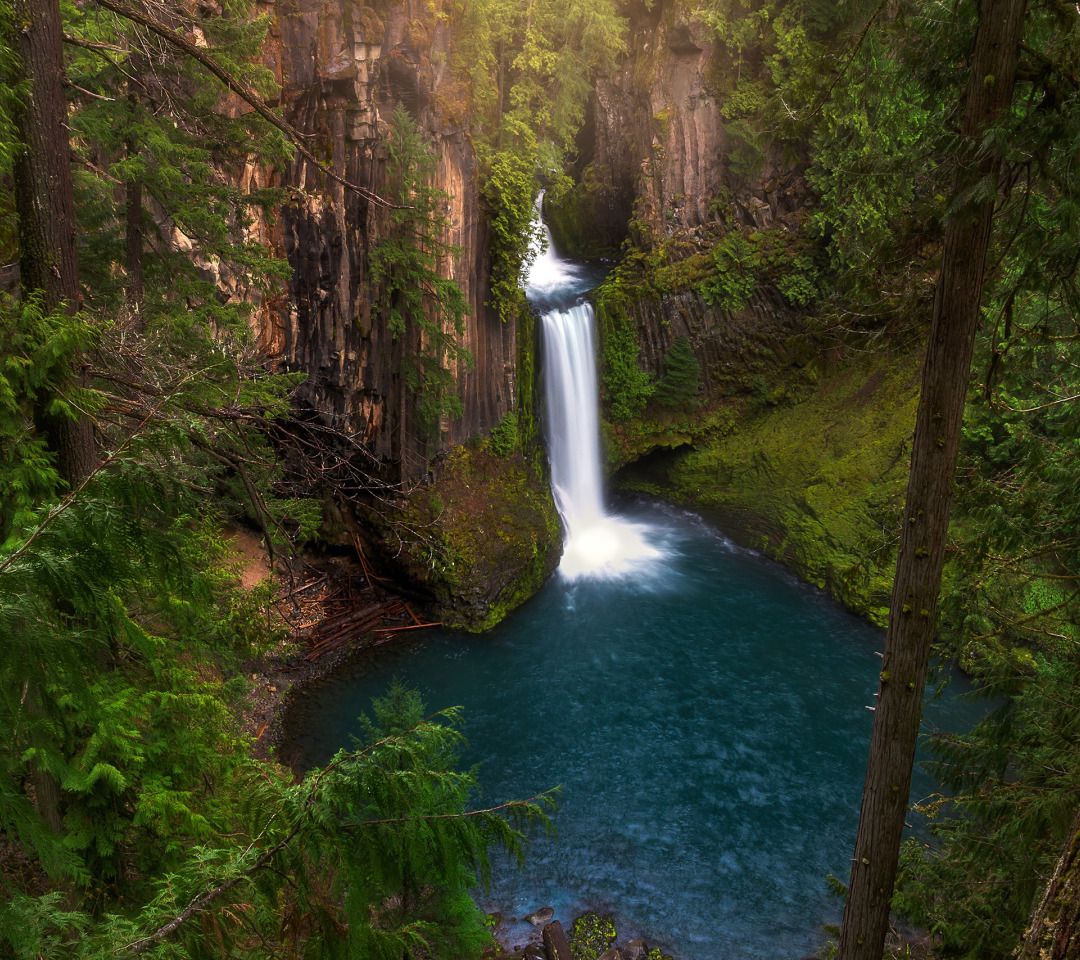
(597, 543)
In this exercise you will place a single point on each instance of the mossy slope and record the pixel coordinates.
(818, 484)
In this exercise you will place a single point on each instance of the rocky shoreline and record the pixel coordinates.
(592, 936)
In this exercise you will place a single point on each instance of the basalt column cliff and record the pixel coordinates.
(343, 68)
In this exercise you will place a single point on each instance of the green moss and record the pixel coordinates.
(817, 484)
(590, 935)
(482, 538)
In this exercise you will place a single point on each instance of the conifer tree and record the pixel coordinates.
(929, 495)
(424, 310)
(682, 374)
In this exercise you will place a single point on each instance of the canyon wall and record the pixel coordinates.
(343, 67)
(659, 164)
(792, 447)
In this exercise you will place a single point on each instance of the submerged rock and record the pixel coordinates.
(542, 916)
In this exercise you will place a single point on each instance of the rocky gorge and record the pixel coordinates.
(659, 169)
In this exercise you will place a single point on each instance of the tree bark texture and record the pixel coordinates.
(946, 372)
(1054, 933)
(48, 259)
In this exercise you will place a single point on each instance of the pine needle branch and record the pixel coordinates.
(241, 89)
(64, 504)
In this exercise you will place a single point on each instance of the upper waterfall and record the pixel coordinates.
(597, 542)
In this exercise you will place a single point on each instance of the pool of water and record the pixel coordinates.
(707, 720)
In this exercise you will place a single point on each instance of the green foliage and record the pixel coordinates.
(406, 850)
(1015, 779)
(508, 191)
(681, 382)
(730, 287)
(625, 386)
(36, 351)
(165, 134)
(503, 439)
(423, 308)
(373, 855)
(800, 285)
(868, 159)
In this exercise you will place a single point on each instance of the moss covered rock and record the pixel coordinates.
(482, 538)
(816, 483)
(590, 935)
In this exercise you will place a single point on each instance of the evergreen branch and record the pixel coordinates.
(64, 504)
(242, 90)
(201, 903)
(508, 805)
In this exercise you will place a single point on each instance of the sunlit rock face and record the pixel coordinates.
(343, 68)
(658, 160)
(657, 146)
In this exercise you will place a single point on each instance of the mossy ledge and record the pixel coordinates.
(813, 478)
(482, 538)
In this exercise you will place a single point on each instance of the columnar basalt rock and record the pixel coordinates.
(343, 67)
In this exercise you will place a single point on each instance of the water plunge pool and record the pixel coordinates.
(707, 721)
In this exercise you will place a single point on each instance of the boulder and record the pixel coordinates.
(592, 934)
(636, 950)
(555, 942)
(542, 916)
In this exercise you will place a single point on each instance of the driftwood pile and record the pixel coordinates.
(333, 611)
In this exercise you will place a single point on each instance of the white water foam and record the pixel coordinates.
(597, 543)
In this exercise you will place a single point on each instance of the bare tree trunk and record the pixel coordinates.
(929, 495)
(48, 260)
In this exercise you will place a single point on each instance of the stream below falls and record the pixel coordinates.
(705, 713)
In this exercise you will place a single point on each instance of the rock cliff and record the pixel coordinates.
(343, 67)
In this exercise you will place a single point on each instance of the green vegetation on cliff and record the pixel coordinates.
(817, 483)
(422, 307)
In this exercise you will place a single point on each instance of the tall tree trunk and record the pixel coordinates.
(133, 252)
(1054, 933)
(44, 200)
(929, 494)
(48, 260)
